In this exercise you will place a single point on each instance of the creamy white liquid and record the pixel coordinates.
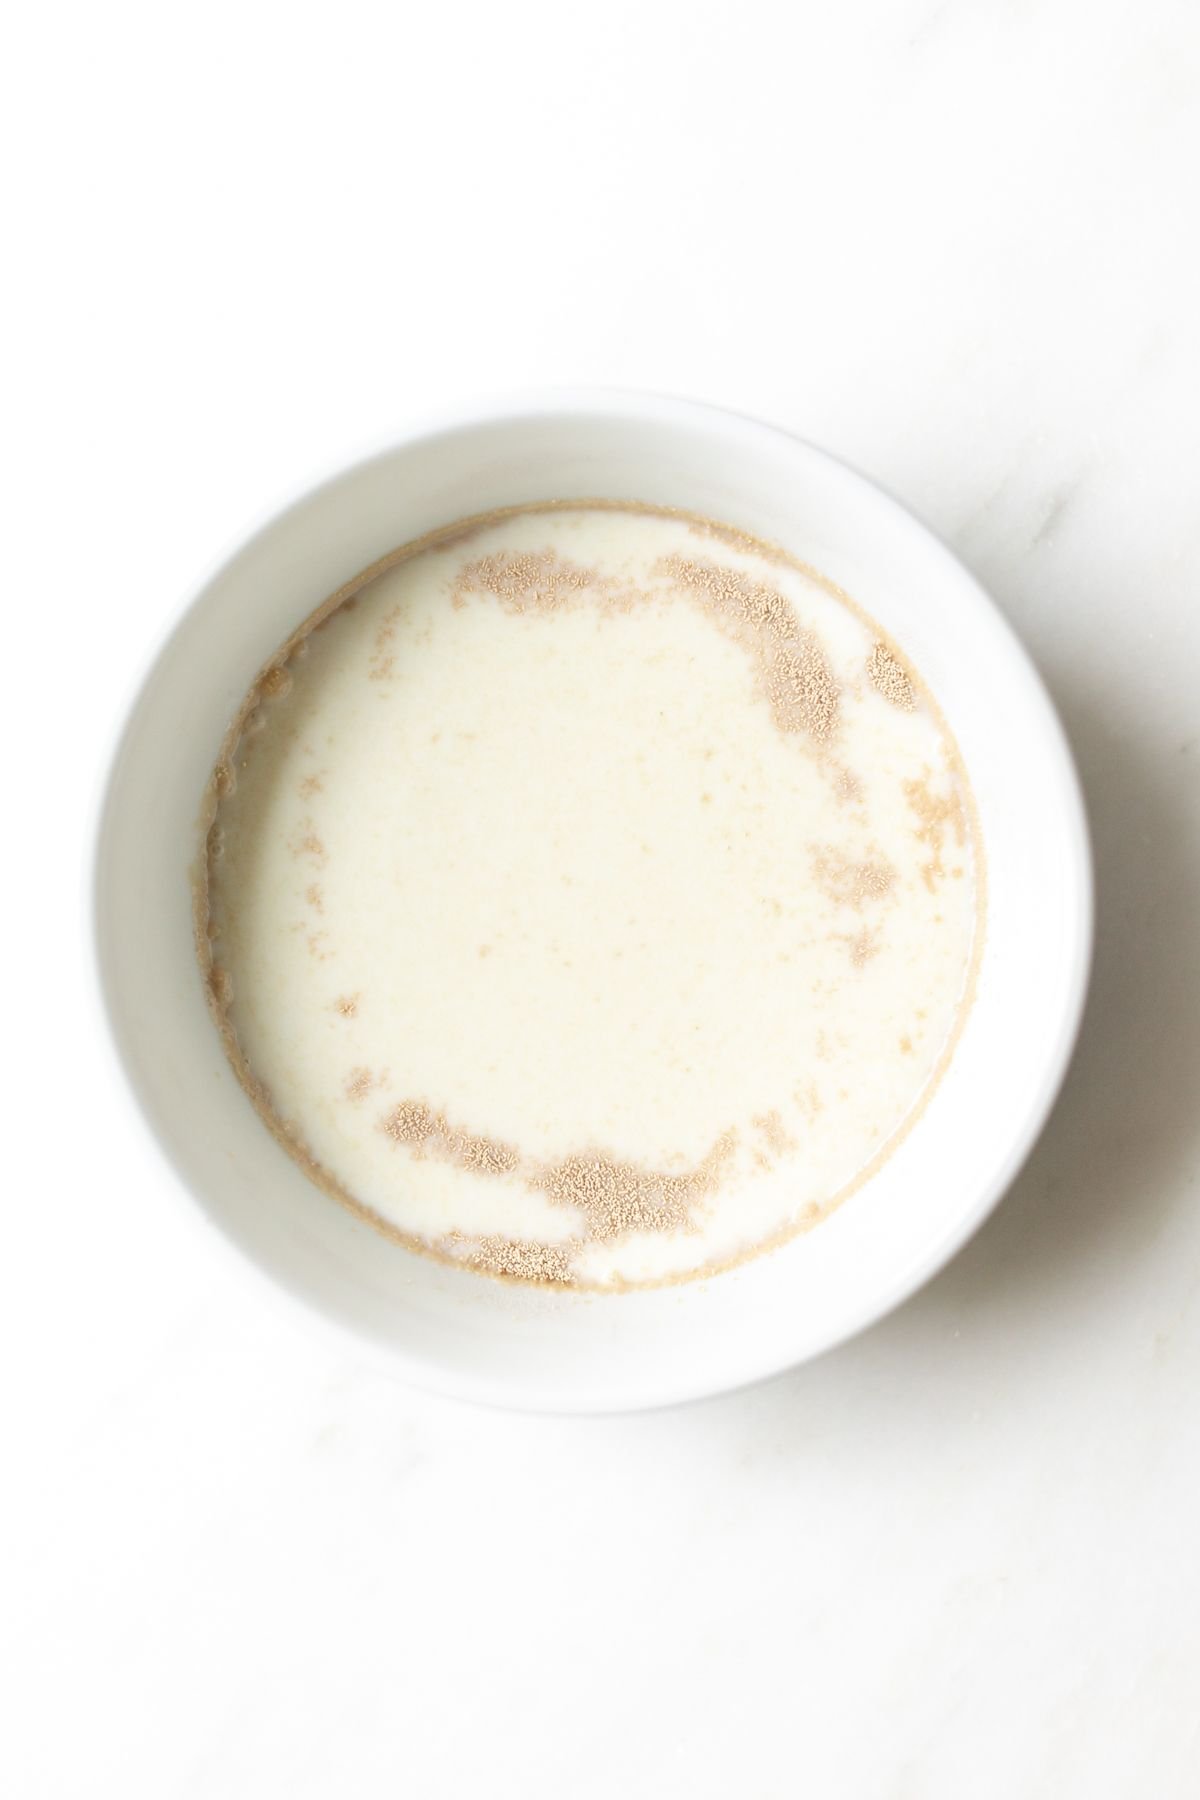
(526, 869)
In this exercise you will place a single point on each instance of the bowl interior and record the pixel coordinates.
(453, 1330)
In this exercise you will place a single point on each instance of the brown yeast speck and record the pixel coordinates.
(526, 581)
(616, 1197)
(889, 677)
(863, 946)
(808, 1098)
(733, 539)
(426, 1132)
(779, 1141)
(612, 1197)
(521, 1259)
(792, 668)
(850, 883)
(382, 660)
(938, 815)
(310, 845)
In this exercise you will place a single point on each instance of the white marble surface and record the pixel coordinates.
(954, 242)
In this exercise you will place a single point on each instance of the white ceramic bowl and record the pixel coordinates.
(449, 1329)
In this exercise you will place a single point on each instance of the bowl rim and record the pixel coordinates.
(1057, 768)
